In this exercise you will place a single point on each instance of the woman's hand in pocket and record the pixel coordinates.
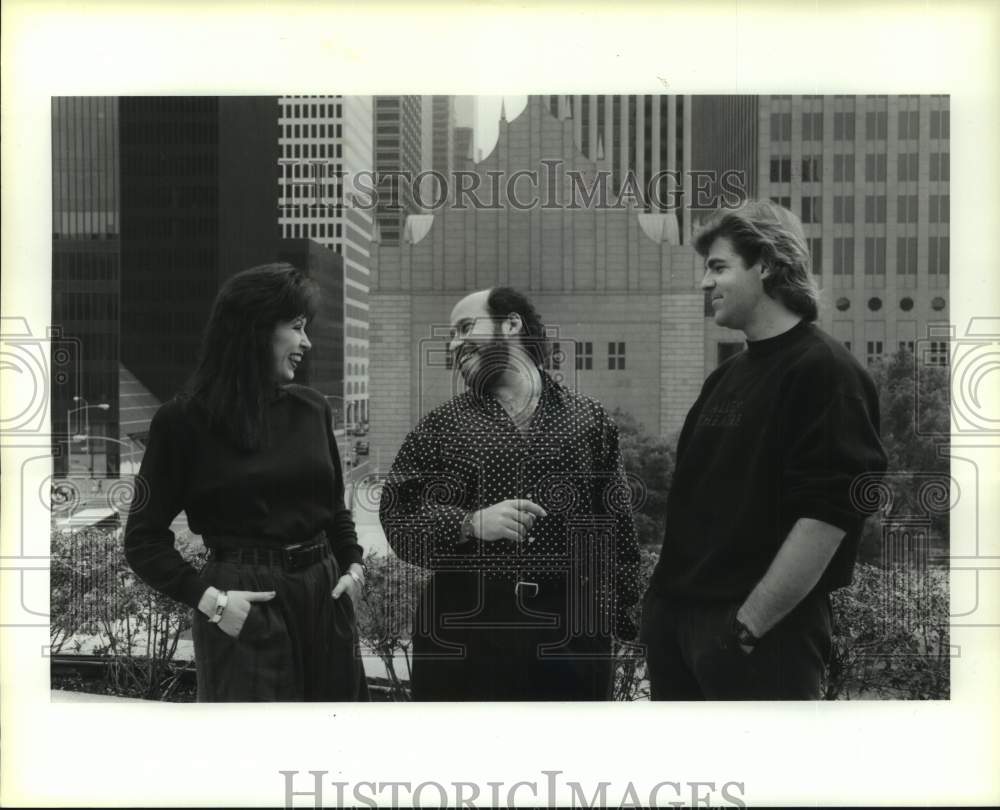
(351, 583)
(238, 608)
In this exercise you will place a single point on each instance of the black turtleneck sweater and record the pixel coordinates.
(278, 495)
(778, 433)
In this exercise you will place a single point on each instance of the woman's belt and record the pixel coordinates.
(291, 558)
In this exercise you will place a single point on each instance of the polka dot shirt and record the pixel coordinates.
(468, 454)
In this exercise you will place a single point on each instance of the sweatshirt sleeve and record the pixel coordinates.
(159, 498)
(343, 535)
(830, 436)
(420, 524)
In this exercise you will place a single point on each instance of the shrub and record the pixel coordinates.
(137, 629)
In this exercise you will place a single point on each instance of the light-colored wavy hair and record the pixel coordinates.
(762, 231)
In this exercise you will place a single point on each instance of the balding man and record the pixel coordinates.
(514, 496)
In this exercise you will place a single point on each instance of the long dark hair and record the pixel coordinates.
(234, 379)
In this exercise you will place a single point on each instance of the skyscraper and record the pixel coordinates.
(647, 135)
(869, 176)
(86, 275)
(443, 157)
(198, 178)
(397, 139)
(325, 142)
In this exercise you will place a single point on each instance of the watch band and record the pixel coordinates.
(220, 607)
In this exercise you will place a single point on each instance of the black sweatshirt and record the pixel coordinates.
(284, 493)
(779, 432)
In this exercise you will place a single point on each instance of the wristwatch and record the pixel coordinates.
(466, 530)
(743, 634)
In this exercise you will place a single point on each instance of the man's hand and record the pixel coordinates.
(237, 609)
(507, 520)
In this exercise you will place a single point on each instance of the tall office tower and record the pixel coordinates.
(426, 133)
(397, 139)
(869, 176)
(725, 140)
(464, 156)
(649, 136)
(86, 274)
(443, 157)
(198, 176)
(465, 132)
(325, 143)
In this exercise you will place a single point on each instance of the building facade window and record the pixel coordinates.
(909, 125)
(906, 208)
(875, 208)
(812, 169)
(812, 126)
(939, 208)
(584, 355)
(616, 356)
(843, 168)
(876, 125)
(874, 256)
(907, 167)
(843, 256)
(781, 126)
(940, 166)
(843, 126)
(937, 255)
(812, 209)
(785, 202)
(843, 209)
(873, 351)
(781, 170)
(940, 124)
(906, 256)
(875, 167)
(937, 353)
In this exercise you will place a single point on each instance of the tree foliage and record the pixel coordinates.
(649, 463)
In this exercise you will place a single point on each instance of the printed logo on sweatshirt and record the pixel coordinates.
(728, 413)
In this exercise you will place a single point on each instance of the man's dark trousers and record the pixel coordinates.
(692, 653)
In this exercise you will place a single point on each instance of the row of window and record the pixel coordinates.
(876, 125)
(875, 168)
(359, 369)
(906, 303)
(311, 150)
(585, 356)
(935, 355)
(939, 208)
(356, 388)
(321, 230)
(310, 110)
(311, 131)
(875, 252)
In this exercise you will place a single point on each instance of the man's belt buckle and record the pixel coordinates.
(532, 585)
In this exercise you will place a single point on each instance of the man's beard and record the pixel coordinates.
(492, 360)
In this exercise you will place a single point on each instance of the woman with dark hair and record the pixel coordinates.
(252, 460)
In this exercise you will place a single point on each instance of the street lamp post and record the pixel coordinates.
(85, 407)
(130, 445)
